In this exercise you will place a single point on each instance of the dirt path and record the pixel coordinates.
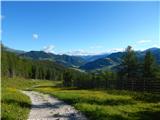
(45, 107)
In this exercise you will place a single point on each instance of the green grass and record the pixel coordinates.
(21, 83)
(95, 104)
(109, 105)
(14, 104)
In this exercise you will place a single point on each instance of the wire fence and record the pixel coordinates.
(145, 84)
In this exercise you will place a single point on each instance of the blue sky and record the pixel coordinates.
(80, 27)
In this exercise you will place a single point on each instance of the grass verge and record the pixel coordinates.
(109, 105)
(14, 104)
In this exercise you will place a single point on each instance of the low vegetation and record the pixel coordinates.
(15, 105)
(109, 104)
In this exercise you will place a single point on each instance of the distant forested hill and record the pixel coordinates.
(12, 65)
(136, 65)
(88, 63)
(66, 60)
(115, 59)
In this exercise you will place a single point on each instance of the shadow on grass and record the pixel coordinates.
(147, 97)
(101, 116)
(71, 88)
(140, 115)
(19, 103)
(55, 86)
(119, 102)
(145, 115)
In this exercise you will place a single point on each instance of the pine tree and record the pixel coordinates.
(130, 63)
(67, 78)
(149, 65)
(129, 67)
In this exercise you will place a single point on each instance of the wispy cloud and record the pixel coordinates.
(156, 45)
(82, 52)
(35, 36)
(78, 52)
(2, 17)
(143, 41)
(115, 50)
(49, 49)
(0, 34)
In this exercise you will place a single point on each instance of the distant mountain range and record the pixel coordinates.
(115, 59)
(87, 63)
(90, 58)
(104, 62)
(66, 60)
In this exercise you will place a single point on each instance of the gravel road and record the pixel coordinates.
(45, 107)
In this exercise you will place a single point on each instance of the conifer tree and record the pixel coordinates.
(149, 65)
(130, 63)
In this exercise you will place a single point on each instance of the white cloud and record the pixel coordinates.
(35, 36)
(156, 45)
(49, 49)
(84, 53)
(78, 52)
(115, 50)
(143, 41)
(2, 17)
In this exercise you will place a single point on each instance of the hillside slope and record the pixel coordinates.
(115, 59)
(65, 60)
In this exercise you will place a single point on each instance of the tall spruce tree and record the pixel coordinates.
(149, 65)
(130, 63)
(129, 67)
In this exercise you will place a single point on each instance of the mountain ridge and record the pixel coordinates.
(66, 60)
(89, 62)
(116, 59)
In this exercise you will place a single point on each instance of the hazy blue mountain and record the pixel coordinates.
(90, 58)
(97, 64)
(156, 53)
(110, 60)
(90, 62)
(115, 59)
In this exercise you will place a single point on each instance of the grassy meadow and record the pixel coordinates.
(109, 104)
(15, 105)
(95, 104)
